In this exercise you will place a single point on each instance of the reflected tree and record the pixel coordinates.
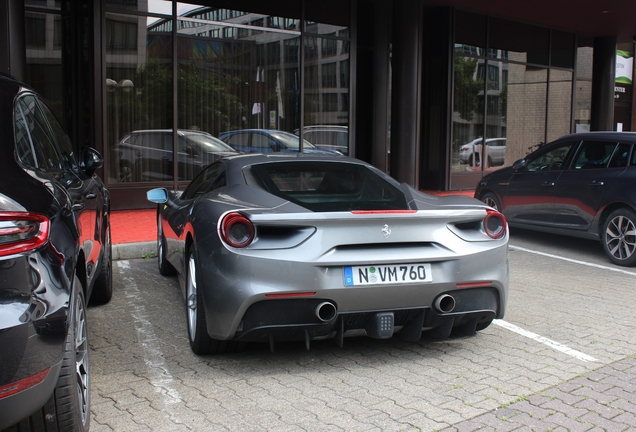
(467, 87)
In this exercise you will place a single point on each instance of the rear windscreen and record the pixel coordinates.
(330, 186)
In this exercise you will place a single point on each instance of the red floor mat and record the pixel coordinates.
(129, 226)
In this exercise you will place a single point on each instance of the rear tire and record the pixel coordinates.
(103, 287)
(618, 237)
(200, 340)
(165, 268)
(68, 408)
(490, 199)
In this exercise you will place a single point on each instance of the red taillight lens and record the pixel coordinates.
(23, 384)
(22, 232)
(237, 230)
(494, 224)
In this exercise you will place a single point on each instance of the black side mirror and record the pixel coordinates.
(90, 160)
(519, 164)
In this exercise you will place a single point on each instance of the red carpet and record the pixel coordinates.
(130, 226)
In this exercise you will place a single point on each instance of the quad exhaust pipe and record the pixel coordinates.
(326, 311)
(445, 303)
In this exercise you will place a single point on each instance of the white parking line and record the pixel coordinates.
(614, 269)
(552, 344)
(158, 372)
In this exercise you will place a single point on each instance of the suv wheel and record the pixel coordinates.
(619, 237)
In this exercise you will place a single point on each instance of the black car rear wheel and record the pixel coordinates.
(165, 268)
(103, 288)
(490, 199)
(619, 237)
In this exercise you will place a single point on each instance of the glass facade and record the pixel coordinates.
(512, 90)
(176, 84)
(163, 85)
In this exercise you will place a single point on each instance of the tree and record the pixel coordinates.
(467, 87)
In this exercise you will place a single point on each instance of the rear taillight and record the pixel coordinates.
(494, 224)
(23, 384)
(22, 232)
(236, 230)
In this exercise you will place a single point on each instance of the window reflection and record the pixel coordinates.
(236, 71)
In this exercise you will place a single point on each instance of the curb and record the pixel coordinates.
(124, 251)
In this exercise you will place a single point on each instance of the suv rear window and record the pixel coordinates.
(329, 186)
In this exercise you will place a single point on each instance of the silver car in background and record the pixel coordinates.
(303, 247)
(473, 153)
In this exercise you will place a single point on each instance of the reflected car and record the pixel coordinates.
(55, 256)
(580, 185)
(330, 137)
(268, 141)
(275, 248)
(471, 153)
(147, 155)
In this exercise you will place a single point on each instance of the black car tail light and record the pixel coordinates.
(494, 224)
(22, 232)
(237, 230)
(23, 384)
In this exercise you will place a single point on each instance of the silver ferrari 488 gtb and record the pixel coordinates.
(304, 247)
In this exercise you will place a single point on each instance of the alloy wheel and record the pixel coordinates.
(191, 297)
(81, 360)
(620, 237)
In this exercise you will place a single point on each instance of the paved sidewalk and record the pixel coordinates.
(604, 399)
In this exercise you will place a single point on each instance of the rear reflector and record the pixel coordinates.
(21, 232)
(287, 295)
(23, 384)
(473, 284)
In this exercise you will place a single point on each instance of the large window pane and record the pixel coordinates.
(138, 100)
(468, 114)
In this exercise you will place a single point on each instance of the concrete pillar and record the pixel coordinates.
(603, 75)
(12, 44)
(406, 100)
(381, 84)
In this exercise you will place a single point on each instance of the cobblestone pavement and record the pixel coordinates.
(562, 360)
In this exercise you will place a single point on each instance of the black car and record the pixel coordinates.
(580, 185)
(55, 256)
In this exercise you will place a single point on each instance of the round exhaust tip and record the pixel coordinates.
(326, 311)
(445, 303)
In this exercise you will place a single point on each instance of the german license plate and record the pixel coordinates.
(388, 274)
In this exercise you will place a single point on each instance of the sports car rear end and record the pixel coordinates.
(289, 248)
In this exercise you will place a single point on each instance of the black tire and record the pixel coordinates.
(473, 159)
(200, 340)
(618, 237)
(68, 408)
(491, 200)
(103, 287)
(165, 268)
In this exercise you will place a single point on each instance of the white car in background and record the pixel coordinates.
(471, 153)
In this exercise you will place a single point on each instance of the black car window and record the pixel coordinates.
(328, 186)
(61, 140)
(203, 181)
(620, 156)
(593, 154)
(23, 145)
(549, 160)
(46, 155)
